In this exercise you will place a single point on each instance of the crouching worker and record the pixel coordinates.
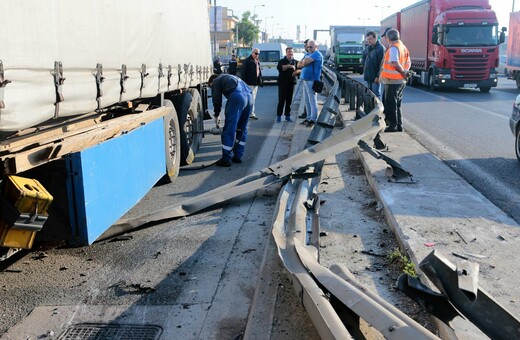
(238, 109)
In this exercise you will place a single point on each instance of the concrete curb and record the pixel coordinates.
(444, 212)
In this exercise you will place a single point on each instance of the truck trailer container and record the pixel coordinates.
(108, 96)
(452, 43)
(513, 48)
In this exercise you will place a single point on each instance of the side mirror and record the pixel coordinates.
(504, 29)
(502, 37)
(435, 38)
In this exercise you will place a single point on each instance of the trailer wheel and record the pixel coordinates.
(198, 111)
(431, 81)
(485, 89)
(173, 143)
(411, 81)
(188, 107)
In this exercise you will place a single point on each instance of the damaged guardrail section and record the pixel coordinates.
(328, 294)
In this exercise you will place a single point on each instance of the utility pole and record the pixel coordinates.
(214, 28)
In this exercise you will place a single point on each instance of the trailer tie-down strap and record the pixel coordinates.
(3, 83)
(57, 73)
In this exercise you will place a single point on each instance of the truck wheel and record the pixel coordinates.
(186, 106)
(199, 117)
(517, 144)
(485, 89)
(173, 143)
(431, 81)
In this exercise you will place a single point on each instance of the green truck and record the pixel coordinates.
(348, 43)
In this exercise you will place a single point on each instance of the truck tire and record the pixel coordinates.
(411, 81)
(172, 139)
(198, 113)
(186, 106)
(431, 81)
(485, 89)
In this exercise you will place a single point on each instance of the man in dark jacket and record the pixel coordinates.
(217, 65)
(286, 81)
(251, 74)
(374, 56)
(232, 68)
(238, 108)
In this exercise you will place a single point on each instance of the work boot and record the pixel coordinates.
(303, 115)
(279, 119)
(237, 160)
(223, 162)
(288, 119)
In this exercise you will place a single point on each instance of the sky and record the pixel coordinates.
(282, 16)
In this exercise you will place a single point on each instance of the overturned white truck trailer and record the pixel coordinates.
(96, 94)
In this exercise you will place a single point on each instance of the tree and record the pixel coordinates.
(247, 30)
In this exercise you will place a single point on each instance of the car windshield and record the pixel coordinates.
(470, 36)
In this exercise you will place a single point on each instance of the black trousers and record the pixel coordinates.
(285, 93)
(393, 95)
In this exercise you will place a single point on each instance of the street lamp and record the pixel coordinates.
(382, 10)
(265, 26)
(254, 8)
(272, 28)
(363, 20)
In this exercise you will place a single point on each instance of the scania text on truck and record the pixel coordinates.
(99, 100)
(513, 48)
(452, 43)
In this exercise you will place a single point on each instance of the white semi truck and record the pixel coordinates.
(108, 94)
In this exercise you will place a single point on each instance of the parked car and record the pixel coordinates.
(501, 69)
(514, 124)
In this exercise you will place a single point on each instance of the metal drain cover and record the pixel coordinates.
(98, 331)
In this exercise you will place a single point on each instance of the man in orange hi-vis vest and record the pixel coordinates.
(394, 74)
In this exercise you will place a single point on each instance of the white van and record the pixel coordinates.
(270, 54)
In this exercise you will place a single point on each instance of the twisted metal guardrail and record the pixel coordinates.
(329, 295)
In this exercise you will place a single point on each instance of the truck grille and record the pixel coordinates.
(471, 67)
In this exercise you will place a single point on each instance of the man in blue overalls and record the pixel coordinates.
(238, 109)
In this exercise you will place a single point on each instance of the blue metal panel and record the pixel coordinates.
(108, 179)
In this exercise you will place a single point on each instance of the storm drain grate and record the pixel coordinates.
(96, 331)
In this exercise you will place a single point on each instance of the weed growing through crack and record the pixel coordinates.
(397, 258)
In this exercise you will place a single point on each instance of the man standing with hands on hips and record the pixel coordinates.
(311, 67)
(252, 75)
(394, 74)
(286, 81)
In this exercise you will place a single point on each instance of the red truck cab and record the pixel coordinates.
(452, 43)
